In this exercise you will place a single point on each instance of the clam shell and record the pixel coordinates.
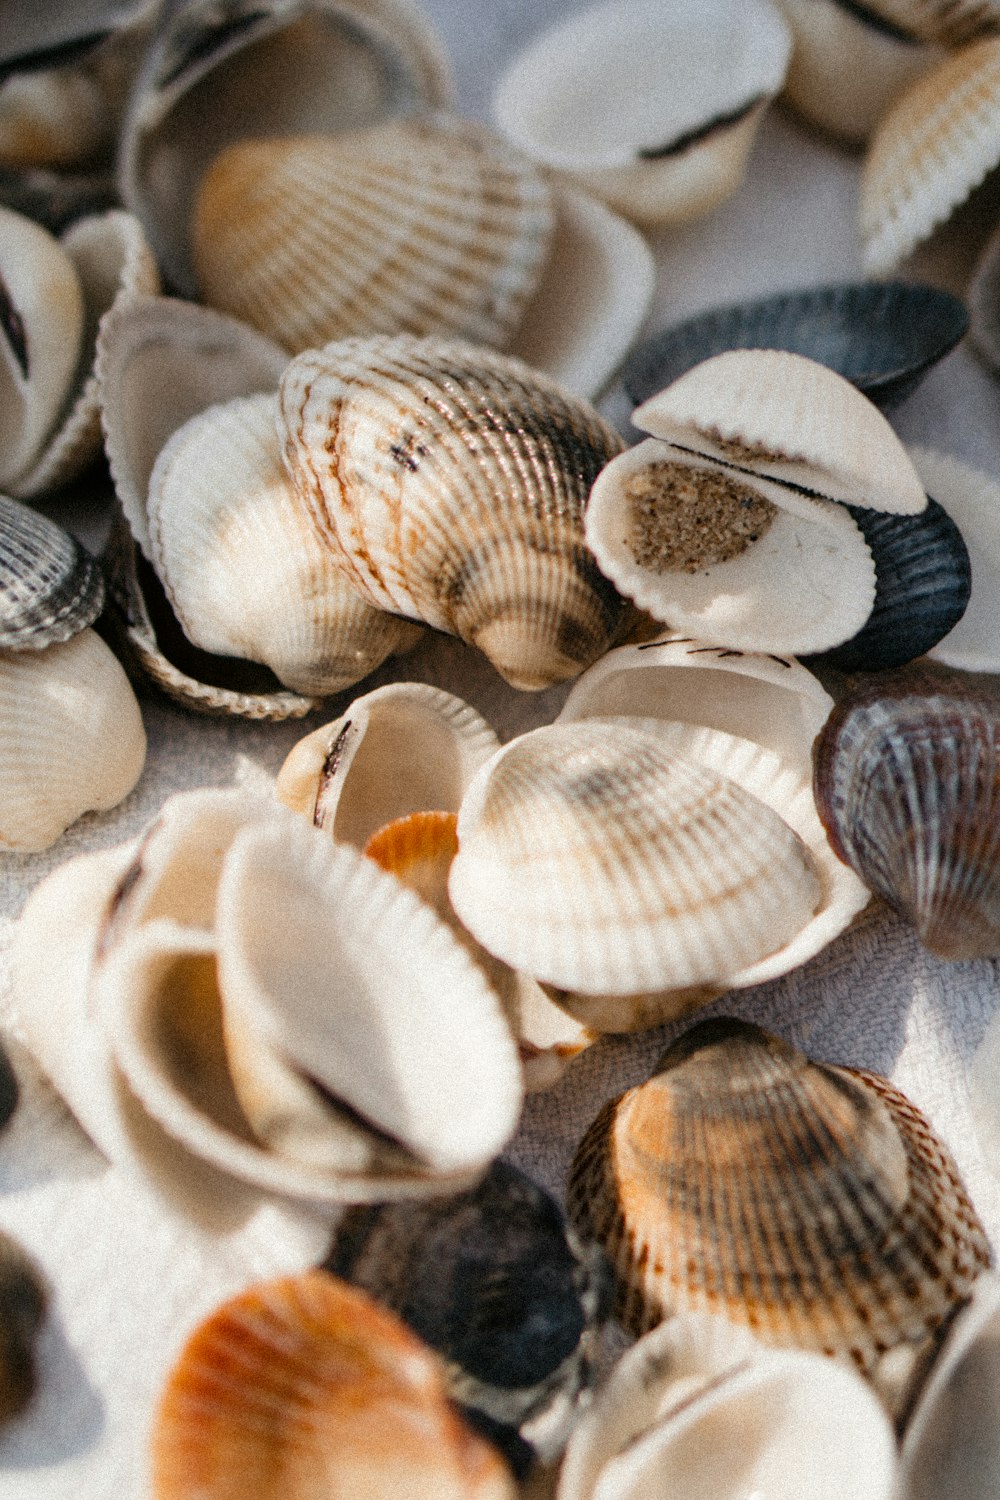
(906, 781)
(652, 108)
(881, 336)
(431, 225)
(50, 587)
(934, 146)
(811, 1203)
(228, 540)
(492, 1280)
(972, 500)
(212, 77)
(72, 739)
(577, 863)
(923, 583)
(311, 1386)
(457, 495)
(698, 1406)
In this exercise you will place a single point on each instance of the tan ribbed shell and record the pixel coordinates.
(812, 1204)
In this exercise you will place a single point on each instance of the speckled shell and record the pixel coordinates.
(492, 1279)
(321, 1394)
(810, 1203)
(934, 146)
(451, 482)
(907, 781)
(428, 225)
(50, 587)
(596, 860)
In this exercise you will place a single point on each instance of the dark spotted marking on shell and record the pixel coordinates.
(331, 766)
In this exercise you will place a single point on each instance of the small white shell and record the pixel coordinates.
(72, 738)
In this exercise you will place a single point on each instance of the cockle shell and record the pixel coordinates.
(699, 1407)
(600, 862)
(228, 540)
(429, 225)
(933, 147)
(652, 107)
(907, 780)
(50, 587)
(495, 1282)
(320, 1393)
(811, 1203)
(451, 482)
(72, 738)
(214, 76)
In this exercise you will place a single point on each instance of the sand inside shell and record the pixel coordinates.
(683, 519)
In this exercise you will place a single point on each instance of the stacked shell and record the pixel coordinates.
(810, 1203)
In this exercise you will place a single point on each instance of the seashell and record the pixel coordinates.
(652, 108)
(698, 1406)
(228, 539)
(73, 739)
(934, 146)
(457, 496)
(951, 22)
(811, 1203)
(50, 587)
(575, 847)
(923, 582)
(314, 1388)
(972, 500)
(433, 225)
(906, 778)
(212, 77)
(492, 1279)
(849, 65)
(595, 292)
(22, 1309)
(881, 336)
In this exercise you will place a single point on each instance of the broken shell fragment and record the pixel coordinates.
(50, 587)
(311, 1386)
(811, 1203)
(654, 108)
(457, 494)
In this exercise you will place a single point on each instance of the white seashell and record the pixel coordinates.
(428, 225)
(577, 864)
(72, 738)
(934, 146)
(698, 1406)
(41, 330)
(596, 289)
(972, 500)
(215, 76)
(228, 540)
(457, 494)
(652, 107)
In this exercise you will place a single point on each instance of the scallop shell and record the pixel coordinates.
(653, 108)
(810, 1203)
(50, 587)
(228, 540)
(698, 1406)
(972, 500)
(907, 783)
(492, 1280)
(311, 1386)
(881, 336)
(212, 77)
(933, 147)
(431, 225)
(457, 495)
(577, 864)
(72, 741)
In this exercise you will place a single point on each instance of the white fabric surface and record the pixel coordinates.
(127, 1283)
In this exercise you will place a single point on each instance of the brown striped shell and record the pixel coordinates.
(450, 483)
(813, 1204)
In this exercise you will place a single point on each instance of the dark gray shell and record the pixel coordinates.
(907, 784)
(923, 580)
(882, 336)
(50, 587)
(22, 1307)
(492, 1279)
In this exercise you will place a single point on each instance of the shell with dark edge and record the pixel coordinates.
(50, 588)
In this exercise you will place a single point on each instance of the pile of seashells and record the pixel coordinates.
(337, 349)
